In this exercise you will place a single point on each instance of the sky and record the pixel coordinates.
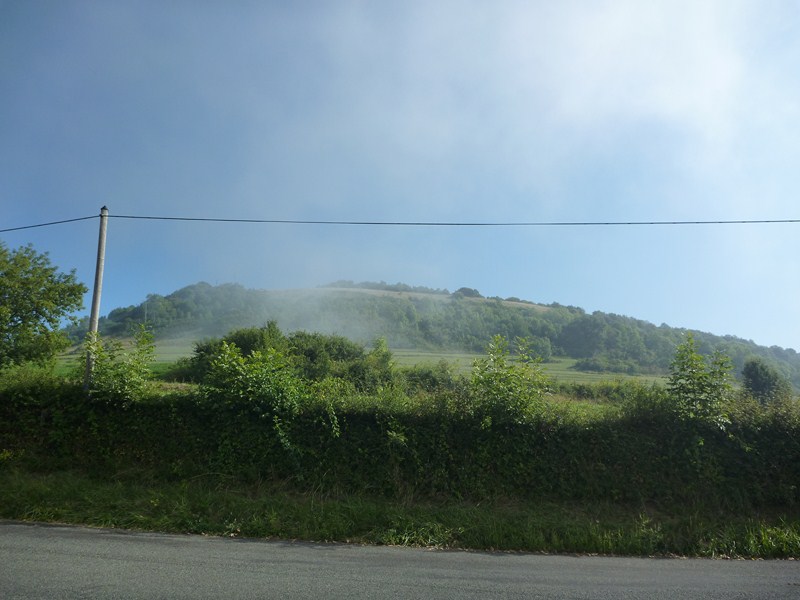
(416, 111)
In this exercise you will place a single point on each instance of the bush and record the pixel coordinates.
(603, 364)
(312, 356)
(317, 356)
(39, 412)
(247, 340)
(700, 388)
(118, 375)
(431, 378)
(261, 386)
(506, 391)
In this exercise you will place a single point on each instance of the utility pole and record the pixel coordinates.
(98, 288)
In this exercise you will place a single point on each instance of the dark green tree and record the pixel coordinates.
(584, 337)
(35, 299)
(763, 382)
(699, 386)
(467, 293)
(317, 355)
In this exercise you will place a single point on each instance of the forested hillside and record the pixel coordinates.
(424, 318)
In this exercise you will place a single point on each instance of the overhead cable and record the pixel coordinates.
(419, 223)
(460, 223)
(48, 224)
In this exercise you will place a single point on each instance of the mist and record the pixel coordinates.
(406, 112)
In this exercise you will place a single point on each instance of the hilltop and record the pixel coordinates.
(432, 319)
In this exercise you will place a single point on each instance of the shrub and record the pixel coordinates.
(39, 411)
(118, 375)
(312, 356)
(699, 387)
(436, 377)
(317, 356)
(261, 385)
(506, 391)
(247, 340)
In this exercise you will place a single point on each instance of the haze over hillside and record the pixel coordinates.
(432, 319)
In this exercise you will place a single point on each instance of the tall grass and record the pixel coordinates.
(216, 505)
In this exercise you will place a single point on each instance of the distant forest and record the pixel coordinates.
(432, 319)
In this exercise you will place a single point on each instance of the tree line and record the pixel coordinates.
(422, 318)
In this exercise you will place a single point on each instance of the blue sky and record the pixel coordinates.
(416, 111)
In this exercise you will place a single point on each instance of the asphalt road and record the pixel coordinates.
(42, 561)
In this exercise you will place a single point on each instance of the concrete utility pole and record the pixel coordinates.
(98, 288)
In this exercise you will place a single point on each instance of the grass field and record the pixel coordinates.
(561, 369)
(171, 350)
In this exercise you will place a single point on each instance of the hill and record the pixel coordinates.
(432, 319)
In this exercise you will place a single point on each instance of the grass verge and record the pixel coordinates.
(218, 506)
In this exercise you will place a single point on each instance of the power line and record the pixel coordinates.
(425, 223)
(48, 224)
(460, 223)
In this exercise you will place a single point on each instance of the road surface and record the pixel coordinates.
(44, 561)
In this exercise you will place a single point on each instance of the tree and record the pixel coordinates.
(506, 390)
(698, 386)
(35, 298)
(762, 381)
(466, 292)
(584, 337)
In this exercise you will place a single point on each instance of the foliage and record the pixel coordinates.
(506, 390)
(253, 339)
(317, 356)
(261, 385)
(118, 375)
(601, 364)
(376, 370)
(466, 292)
(34, 300)
(430, 378)
(311, 356)
(388, 287)
(261, 377)
(617, 391)
(699, 387)
(409, 317)
(247, 340)
(39, 412)
(764, 382)
(499, 435)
